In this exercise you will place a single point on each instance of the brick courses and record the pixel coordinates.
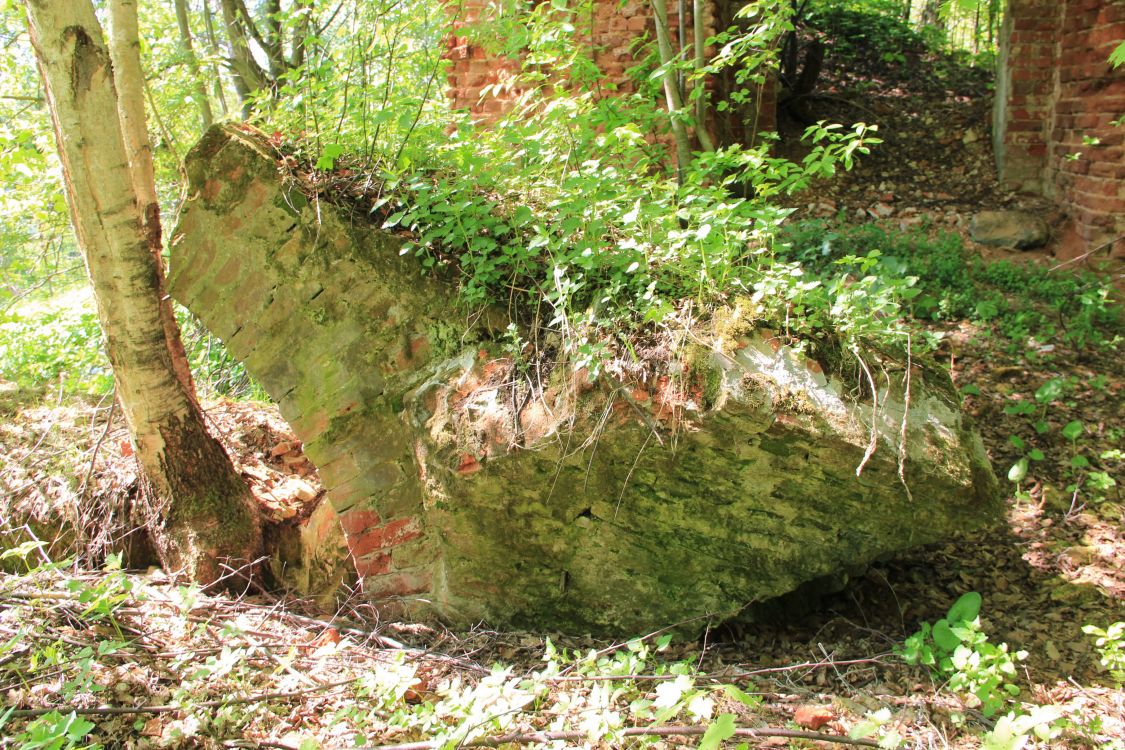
(615, 28)
(1057, 101)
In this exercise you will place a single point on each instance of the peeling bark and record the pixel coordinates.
(128, 79)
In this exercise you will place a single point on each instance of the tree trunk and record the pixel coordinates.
(216, 52)
(128, 79)
(198, 510)
(248, 74)
(931, 13)
(699, 45)
(671, 89)
(202, 101)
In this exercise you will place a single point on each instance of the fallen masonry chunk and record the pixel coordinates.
(471, 487)
(1013, 229)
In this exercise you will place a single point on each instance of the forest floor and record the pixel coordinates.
(188, 669)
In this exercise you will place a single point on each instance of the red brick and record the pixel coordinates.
(373, 565)
(383, 537)
(1098, 203)
(358, 520)
(402, 583)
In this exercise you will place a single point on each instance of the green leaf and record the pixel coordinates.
(944, 637)
(522, 216)
(966, 608)
(1072, 430)
(720, 730)
(1018, 470)
(750, 701)
(328, 156)
(1050, 390)
(1117, 57)
(393, 219)
(21, 551)
(890, 741)
(863, 729)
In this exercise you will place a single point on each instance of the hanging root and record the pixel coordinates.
(874, 440)
(905, 414)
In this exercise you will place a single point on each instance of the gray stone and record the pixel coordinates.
(1013, 229)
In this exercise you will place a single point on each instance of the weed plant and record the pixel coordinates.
(1020, 302)
(55, 343)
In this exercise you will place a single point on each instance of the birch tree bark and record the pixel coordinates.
(198, 511)
(128, 79)
(672, 93)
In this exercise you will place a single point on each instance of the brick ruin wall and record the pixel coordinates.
(611, 37)
(1056, 94)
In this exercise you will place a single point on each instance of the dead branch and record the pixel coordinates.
(168, 708)
(576, 736)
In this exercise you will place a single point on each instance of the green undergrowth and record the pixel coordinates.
(53, 342)
(582, 237)
(570, 211)
(1024, 303)
(874, 33)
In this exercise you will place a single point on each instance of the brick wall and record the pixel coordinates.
(1088, 179)
(472, 69)
(615, 26)
(1056, 95)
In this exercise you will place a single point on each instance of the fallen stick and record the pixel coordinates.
(124, 710)
(717, 676)
(575, 736)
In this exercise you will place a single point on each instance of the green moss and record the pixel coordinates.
(447, 339)
(734, 322)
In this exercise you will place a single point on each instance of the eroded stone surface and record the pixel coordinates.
(1013, 229)
(608, 507)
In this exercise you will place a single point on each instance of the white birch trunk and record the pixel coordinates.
(198, 510)
(671, 88)
(128, 79)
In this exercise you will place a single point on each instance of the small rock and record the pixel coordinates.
(824, 208)
(1014, 229)
(1007, 373)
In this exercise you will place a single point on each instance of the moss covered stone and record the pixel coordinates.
(574, 505)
